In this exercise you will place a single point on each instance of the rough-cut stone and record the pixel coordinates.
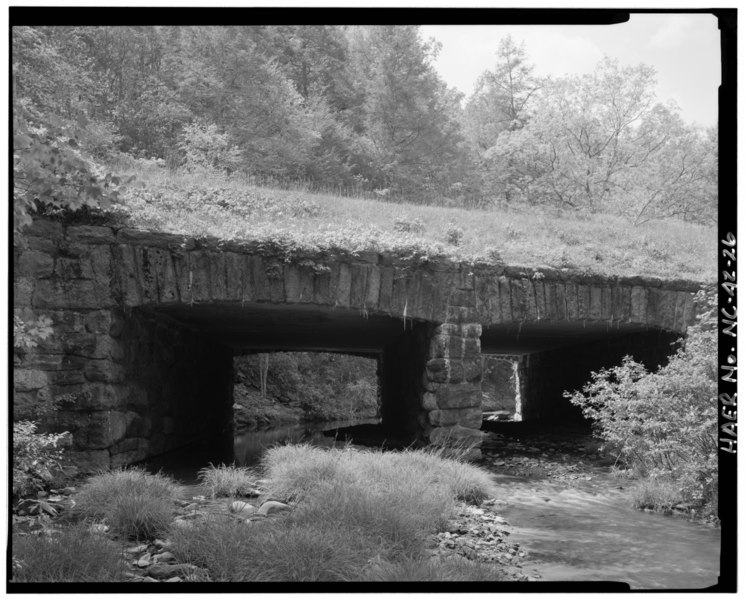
(35, 264)
(464, 395)
(91, 234)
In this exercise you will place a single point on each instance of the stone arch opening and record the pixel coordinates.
(548, 358)
(177, 376)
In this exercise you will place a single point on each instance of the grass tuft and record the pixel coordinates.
(660, 494)
(227, 481)
(355, 511)
(73, 554)
(134, 503)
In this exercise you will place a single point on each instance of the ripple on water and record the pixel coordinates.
(572, 534)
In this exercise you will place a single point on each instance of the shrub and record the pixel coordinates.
(205, 148)
(664, 423)
(227, 481)
(454, 235)
(134, 503)
(35, 457)
(409, 225)
(661, 493)
(74, 554)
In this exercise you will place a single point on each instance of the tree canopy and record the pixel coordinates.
(341, 106)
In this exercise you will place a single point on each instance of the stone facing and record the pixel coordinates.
(87, 279)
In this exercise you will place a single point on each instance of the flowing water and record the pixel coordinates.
(585, 530)
(574, 534)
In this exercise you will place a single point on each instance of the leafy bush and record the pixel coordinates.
(73, 554)
(454, 235)
(205, 148)
(134, 503)
(35, 457)
(664, 423)
(409, 225)
(227, 481)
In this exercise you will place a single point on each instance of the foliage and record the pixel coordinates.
(27, 334)
(345, 107)
(227, 481)
(134, 503)
(354, 520)
(299, 225)
(321, 386)
(664, 423)
(72, 554)
(35, 457)
(205, 148)
(600, 142)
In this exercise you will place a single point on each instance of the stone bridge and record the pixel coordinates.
(146, 326)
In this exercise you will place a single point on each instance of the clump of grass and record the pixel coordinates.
(73, 555)
(227, 481)
(657, 493)
(456, 569)
(355, 509)
(134, 503)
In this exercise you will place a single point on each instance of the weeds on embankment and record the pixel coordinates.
(530, 237)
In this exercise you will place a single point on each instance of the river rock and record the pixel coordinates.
(270, 507)
(164, 571)
(144, 561)
(242, 507)
(164, 558)
(137, 549)
(174, 579)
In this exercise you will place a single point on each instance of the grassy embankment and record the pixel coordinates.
(297, 221)
(355, 515)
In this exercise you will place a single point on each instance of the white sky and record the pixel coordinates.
(683, 48)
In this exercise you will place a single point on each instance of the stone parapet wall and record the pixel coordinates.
(96, 267)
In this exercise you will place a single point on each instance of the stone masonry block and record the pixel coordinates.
(472, 370)
(91, 234)
(73, 268)
(471, 347)
(386, 288)
(462, 395)
(51, 293)
(341, 282)
(35, 264)
(234, 276)
(638, 305)
(595, 302)
(373, 286)
(471, 330)
(504, 290)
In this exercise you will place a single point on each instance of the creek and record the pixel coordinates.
(571, 516)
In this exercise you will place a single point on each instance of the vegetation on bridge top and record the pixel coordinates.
(297, 221)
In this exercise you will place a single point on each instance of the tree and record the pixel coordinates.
(601, 142)
(409, 132)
